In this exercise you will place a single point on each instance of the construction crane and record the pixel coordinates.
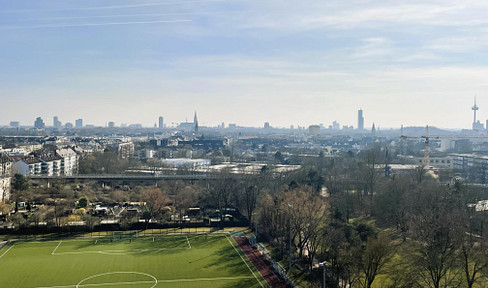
(426, 138)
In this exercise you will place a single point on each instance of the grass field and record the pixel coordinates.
(144, 262)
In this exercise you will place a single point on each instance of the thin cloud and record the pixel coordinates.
(378, 46)
(351, 15)
(114, 7)
(110, 16)
(109, 24)
(126, 15)
(460, 44)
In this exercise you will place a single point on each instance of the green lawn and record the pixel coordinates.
(144, 262)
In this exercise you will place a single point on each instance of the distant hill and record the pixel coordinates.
(433, 131)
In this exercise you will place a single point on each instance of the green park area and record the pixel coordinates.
(129, 261)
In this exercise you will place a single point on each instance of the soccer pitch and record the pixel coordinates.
(142, 262)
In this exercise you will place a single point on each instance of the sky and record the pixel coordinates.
(247, 62)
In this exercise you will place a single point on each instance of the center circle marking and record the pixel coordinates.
(111, 273)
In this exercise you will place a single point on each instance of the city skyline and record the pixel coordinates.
(245, 62)
(80, 123)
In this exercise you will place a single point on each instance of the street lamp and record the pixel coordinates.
(254, 218)
(323, 265)
(289, 240)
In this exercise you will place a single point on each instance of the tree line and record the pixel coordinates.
(412, 229)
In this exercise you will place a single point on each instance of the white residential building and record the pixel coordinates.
(69, 164)
(126, 150)
(5, 176)
(27, 166)
(51, 164)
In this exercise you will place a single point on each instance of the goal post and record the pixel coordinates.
(129, 234)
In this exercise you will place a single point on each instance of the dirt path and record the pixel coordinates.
(263, 266)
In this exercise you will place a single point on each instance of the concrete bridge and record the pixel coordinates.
(125, 178)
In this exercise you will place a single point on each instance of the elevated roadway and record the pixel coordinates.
(128, 178)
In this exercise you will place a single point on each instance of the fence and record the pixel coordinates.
(277, 268)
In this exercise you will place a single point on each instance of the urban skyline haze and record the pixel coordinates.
(246, 62)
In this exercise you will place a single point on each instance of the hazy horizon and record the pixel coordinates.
(244, 62)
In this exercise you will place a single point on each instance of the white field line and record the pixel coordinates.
(119, 252)
(116, 272)
(149, 282)
(56, 247)
(7, 250)
(244, 261)
(102, 284)
(205, 279)
(113, 252)
(112, 284)
(189, 246)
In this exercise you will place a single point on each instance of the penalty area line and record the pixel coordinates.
(189, 246)
(56, 247)
(7, 250)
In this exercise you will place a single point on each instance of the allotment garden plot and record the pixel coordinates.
(135, 262)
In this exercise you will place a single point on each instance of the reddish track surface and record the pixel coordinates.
(263, 266)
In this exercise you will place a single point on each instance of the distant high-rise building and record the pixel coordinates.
(111, 124)
(161, 122)
(373, 130)
(39, 123)
(314, 129)
(195, 121)
(15, 124)
(56, 122)
(79, 123)
(68, 125)
(360, 120)
(266, 125)
(478, 126)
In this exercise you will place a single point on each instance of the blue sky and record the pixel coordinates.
(287, 62)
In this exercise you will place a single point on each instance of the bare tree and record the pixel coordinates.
(434, 231)
(370, 170)
(376, 254)
(219, 193)
(273, 220)
(186, 198)
(155, 200)
(308, 213)
(419, 174)
(474, 257)
(393, 204)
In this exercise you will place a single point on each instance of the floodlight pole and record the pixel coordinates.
(256, 229)
(255, 220)
(322, 264)
(289, 241)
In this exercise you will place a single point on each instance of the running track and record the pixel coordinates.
(263, 266)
